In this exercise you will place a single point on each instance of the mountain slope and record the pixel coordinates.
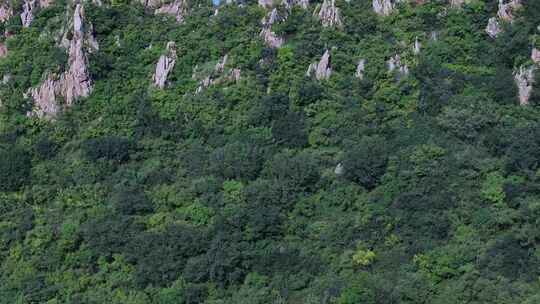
(269, 152)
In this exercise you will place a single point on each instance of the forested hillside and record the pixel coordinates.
(295, 151)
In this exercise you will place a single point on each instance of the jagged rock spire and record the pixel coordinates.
(329, 14)
(524, 79)
(270, 38)
(73, 83)
(322, 69)
(383, 7)
(27, 14)
(165, 65)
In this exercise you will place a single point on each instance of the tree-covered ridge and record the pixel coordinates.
(417, 184)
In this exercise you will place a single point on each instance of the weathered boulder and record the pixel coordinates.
(383, 7)
(322, 69)
(329, 14)
(524, 79)
(164, 66)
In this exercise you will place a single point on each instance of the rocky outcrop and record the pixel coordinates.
(524, 79)
(269, 37)
(44, 98)
(339, 170)
(456, 3)
(5, 12)
(271, 18)
(28, 10)
(322, 69)
(383, 7)
(396, 65)
(535, 56)
(220, 74)
(288, 4)
(73, 83)
(27, 14)
(360, 68)
(329, 14)
(47, 3)
(177, 8)
(266, 3)
(417, 46)
(505, 13)
(164, 66)
(493, 28)
(3, 50)
(506, 10)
